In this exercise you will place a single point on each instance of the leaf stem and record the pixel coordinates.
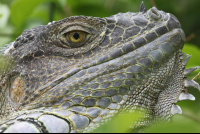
(191, 117)
(153, 3)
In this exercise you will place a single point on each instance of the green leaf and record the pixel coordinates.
(21, 9)
(4, 15)
(193, 50)
(180, 124)
(119, 124)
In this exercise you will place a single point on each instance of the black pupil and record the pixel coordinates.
(76, 36)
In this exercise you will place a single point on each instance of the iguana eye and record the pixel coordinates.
(76, 36)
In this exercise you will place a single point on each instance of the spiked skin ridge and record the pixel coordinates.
(75, 74)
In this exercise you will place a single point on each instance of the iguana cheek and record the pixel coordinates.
(17, 89)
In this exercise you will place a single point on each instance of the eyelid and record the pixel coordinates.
(75, 28)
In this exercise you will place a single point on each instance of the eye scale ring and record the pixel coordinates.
(79, 35)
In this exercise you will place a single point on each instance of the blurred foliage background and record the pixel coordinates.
(18, 15)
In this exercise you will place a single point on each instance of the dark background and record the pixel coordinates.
(18, 15)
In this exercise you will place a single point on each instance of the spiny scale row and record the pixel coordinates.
(187, 83)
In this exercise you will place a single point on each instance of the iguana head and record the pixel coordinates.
(104, 65)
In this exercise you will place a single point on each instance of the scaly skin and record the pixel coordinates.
(126, 61)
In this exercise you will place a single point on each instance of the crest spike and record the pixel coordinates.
(176, 110)
(186, 96)
(142, 8)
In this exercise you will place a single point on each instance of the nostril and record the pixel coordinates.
(154, 13)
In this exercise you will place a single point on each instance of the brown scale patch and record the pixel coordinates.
(17, 89)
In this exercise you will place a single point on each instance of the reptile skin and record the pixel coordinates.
(124, 62)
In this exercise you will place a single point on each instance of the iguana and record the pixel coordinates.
(75, 74)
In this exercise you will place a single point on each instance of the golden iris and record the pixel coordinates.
(76, 36)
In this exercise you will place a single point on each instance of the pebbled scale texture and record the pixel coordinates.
(131, 61)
